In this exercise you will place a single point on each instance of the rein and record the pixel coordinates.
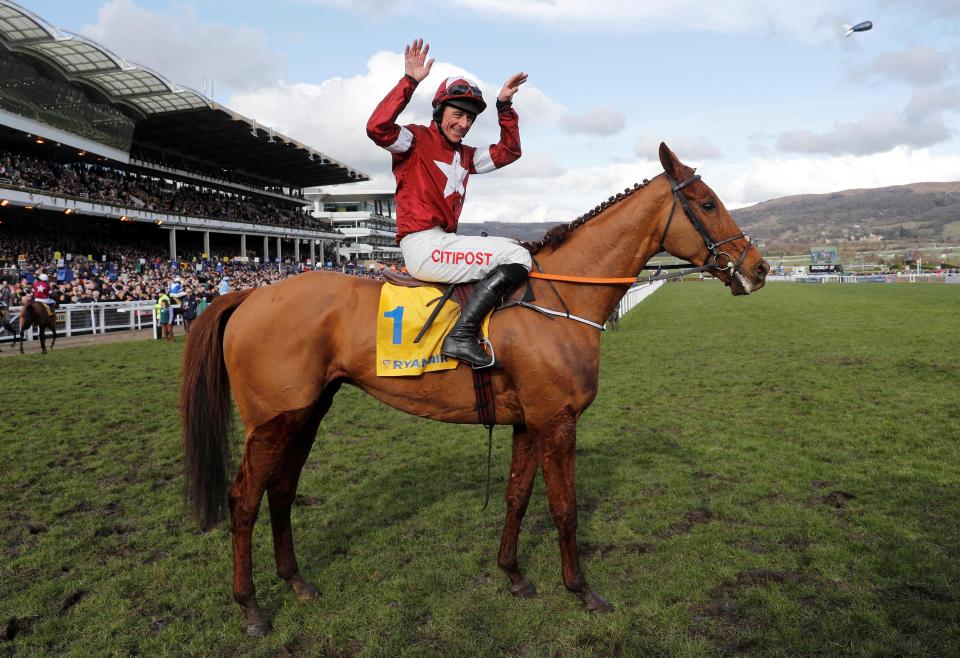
(582, 279)
(713, 262)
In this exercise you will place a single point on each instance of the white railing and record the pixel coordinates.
(94, 318)
(636, 295)
(867, 278)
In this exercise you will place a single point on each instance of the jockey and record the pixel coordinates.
(176, 288)
(432, 167)
(41, 291)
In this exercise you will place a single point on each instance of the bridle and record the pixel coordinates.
(719, 260)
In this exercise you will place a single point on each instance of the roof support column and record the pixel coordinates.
(296, 252)
(243, 244)
(173, 244)
(266, 250)
(206, 243)
(279, 254)
(313, 252)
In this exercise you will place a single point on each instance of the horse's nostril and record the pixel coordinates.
(763, 269)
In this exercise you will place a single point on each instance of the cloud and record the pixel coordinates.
(686, 148)
(332, 116)
(876, 132)
(930, 101)
(601, 121)
(919, 65)
(770, 178)
(503, 196)
(186, 51)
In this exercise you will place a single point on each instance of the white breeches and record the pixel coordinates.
(433, 255)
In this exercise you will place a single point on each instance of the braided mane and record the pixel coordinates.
(557, 235)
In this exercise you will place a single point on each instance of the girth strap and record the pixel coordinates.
(485, 407)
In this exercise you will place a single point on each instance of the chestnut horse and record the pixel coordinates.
(550, 367)
(36, 314)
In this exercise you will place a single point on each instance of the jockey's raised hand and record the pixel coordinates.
(510, 87)
(415, 61)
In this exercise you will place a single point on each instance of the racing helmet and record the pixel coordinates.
(43, 277)
(460, 92)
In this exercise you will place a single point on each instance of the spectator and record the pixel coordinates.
(166, 319)
(188, 309)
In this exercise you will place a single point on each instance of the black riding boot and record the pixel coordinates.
(462, 342)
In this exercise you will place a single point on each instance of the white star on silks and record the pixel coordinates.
(455, 175)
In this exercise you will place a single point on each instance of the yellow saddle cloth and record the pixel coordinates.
(400, 317)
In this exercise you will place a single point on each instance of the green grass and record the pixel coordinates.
(777, 474)
(952, 230)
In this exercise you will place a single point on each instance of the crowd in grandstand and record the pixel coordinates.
(88, 181)
(127, 271)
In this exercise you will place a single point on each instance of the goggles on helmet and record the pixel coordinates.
(461, 89)
(462, 93)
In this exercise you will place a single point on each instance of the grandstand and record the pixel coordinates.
(366, 220)
(93, 145)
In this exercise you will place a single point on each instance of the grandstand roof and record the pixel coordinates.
(170, 118)
(360, 195)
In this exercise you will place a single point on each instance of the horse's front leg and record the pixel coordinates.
(523, 468)
(558, 459)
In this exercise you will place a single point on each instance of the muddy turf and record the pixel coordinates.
(777, 474)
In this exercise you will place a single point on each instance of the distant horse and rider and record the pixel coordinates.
(283, 378)
(5, 321)
(43, 317)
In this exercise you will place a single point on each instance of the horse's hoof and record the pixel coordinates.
(304, 591)
(523, 590)
(595, 603)
(258, 630)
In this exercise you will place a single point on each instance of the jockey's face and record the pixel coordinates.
(455, 123)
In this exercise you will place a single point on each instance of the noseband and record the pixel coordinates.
(719, 260)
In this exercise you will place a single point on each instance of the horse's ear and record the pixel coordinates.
(672, 165)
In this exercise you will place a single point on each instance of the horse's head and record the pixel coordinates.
(700, 230)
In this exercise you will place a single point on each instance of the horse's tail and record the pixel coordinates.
(205, 411)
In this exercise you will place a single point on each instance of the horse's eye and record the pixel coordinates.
(708, 205)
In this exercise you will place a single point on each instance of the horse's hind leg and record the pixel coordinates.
(281, 491)
(523, 469)
(263, 455)
(54, 330)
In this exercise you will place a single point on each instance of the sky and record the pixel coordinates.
(765, 98)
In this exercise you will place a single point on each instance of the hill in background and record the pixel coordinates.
(921, 211)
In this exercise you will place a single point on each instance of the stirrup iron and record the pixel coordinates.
(493, 357)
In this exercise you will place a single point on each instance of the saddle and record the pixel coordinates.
(459, 291)
(407, 281)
